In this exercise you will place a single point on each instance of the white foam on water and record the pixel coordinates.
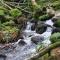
(24, 52)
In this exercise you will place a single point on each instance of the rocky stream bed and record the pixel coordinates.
(24, 48)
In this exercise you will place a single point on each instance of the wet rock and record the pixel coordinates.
(21, 43)
(3, 56)
(41, 28)
(22, 21)
(56, 17)
(33, 21)
(33, 27)
(56, 29)
(37, 39)
(57, 23)
(20, 35)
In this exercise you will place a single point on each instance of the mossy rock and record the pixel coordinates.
(41, 28)
(55, 37)
(39, 12)
(45, 17)
(22, 22)
(57, 23)
(15, 12)
(8, 34)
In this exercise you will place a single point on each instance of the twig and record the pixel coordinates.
(16, 3)
(2, 2)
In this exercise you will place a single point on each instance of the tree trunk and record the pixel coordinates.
(43, 52)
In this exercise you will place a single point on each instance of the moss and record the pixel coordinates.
(57, 23)
(9, 23)
(39, 12)
(45, 57)
(45, 17)
(6, 11)
(55, 37)
(15, 12)
(10, 29)
(8, 17)
(40, 47)
(2, 13)
(41, 28)
(56, 5)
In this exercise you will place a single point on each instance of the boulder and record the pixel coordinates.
(22, 21)
(41, 28)
(37, 39)
(56, 29)
(22, 42)
(57, 23)
(33, 27)
(3, 56)
(50, 11)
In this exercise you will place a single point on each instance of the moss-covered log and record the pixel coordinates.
(43, 52)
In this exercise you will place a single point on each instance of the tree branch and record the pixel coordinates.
(43, 52)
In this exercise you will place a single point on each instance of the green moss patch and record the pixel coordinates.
(55, 37)
(45, 17)
(15, 12)
(57, 23)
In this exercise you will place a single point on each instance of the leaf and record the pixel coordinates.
(15, 12)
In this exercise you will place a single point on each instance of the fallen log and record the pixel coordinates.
(43, 52)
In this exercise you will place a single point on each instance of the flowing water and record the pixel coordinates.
(22, 52)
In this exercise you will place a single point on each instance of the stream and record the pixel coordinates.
(24, 50)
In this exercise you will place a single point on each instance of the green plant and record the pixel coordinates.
(56, 5)
(15, 12)
(9, 23)
(8, 34)
(2, 13)
(45, 17)
(55, 37)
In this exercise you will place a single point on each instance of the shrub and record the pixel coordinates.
(9, 23)
(55, 37)
(45, 17)
(15, 13)
(8, 34)
(2, 13)
(56, 5)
